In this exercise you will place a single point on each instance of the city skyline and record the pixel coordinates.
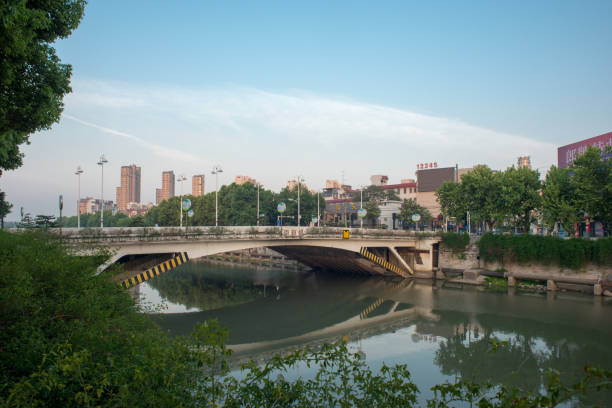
(317, 90)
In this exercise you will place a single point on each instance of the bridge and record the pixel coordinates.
(356, 251)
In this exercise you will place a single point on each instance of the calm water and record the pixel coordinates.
(441, 331)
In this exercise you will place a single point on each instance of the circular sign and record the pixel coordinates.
(362, 212)
(314, 220)
(281, 207)
(416, 217)
(190, 213)
(186, 204)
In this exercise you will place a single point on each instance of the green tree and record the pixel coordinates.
(377, 194)
(45, 221)
(33, 81)
(592, 178)
(373, 212)
(5, 208)
(480, 193)
(410, 207)
(520, 195)
(559, 199)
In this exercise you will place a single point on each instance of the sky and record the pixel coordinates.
(319, 89)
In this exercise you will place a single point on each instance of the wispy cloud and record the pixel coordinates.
(235, 124)
(162, 151)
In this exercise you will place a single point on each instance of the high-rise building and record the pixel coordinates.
(524, 161)
(158, 195)
(239, 180)
(129, 191)
(167, 189)
(197, 185)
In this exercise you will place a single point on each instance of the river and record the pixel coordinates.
(441, 331)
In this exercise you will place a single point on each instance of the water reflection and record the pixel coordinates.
(441, 331)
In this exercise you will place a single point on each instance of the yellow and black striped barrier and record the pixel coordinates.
(371, 308)
(385, 264)
(151, 273)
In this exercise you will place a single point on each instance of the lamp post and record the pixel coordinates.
(101, 164)
(360, 207)
(180, 179)
(78, 172)
(216, 170)
(318, 211)
(299, 181)
(257, 204)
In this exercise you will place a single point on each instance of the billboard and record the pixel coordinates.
(567, 154)
(431, 179)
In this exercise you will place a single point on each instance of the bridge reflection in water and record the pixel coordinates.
(268, 310)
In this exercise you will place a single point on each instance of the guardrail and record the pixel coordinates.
(116, 234)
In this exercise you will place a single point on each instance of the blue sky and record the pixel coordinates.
(276, 89)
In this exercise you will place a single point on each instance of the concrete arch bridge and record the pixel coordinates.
(360, 251)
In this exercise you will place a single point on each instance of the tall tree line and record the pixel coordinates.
(518, 198)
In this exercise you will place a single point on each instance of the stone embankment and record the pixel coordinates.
(467, 267)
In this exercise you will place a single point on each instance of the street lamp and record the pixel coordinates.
(360, 207)
(101, 164)
(216, 170)
(299, 181)
(180, 179)
(258, 204)
(78, 172)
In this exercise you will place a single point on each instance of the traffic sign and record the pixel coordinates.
(416, 217)
(281, 207)
(186, 204)
(362, 213)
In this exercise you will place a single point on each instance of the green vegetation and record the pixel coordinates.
(72, 339)
(516, 197)
(33, 81)
(572, 253)
(456, 242)
(410, 207)
(237, 206)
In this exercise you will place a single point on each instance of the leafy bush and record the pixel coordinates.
(571, 253)
(455, 242)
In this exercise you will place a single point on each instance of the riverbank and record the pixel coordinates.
(530, 263)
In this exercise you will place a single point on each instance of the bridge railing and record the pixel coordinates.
(116, 234)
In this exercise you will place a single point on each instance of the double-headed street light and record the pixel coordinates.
(78, 172)
(180, 179)
(101, 164)
(216, 170)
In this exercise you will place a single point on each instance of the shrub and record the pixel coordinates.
(455, 242)
(571, 253)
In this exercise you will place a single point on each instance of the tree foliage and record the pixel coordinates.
(33, 81)
(410, 207)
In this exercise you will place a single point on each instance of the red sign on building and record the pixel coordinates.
(567, 154)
